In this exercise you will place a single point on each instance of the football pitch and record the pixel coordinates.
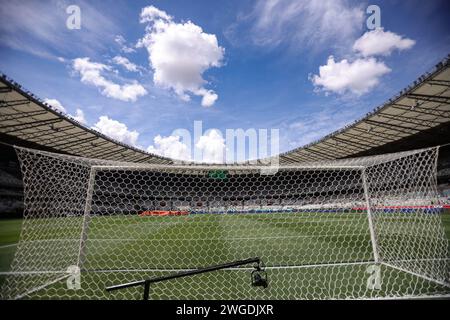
(308, 255)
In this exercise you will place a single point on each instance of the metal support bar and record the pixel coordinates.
(77, 142)
(429, 98)
(334, 147)
(357, 144)
(380, 134)
(394, 127)
(444, 83)
(86, 218)
(5, 89)
(339, 143)
(30, 125)
(64, 138)
(46, 133)
(83, 147)
(417, 109)
(20, 115)
(12, 103)
(96, 145)
(414, 121)
(146, 290)
(146, 283)
(373, 238)
(199, 168)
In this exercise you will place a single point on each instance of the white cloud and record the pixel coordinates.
(127, 64)
(116, 130)
(212, 146)
(171, 147)
(179, 54)
(120, 40)
(301, 23)
(209, 97)
(357, 77)
(91, 73)
(380, 42)
(55, 104)
(79, 116)
(151, 13)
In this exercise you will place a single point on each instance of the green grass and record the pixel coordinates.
(186, 242)
(9, 236)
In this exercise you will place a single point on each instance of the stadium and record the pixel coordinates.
(361, 213)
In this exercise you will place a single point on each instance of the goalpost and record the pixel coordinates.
(356, 228)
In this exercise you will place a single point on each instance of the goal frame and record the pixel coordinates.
(97, 168)
(366, 173)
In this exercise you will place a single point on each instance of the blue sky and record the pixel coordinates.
(231, 64)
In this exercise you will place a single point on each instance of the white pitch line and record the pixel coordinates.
(181, 270)
(240, 268)
(229, 269)
(20, 296)
(9, 245)
(24, 273)
(442, 283)
(194, 239)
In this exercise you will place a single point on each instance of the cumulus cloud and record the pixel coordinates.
(357, 77)
(179, 54)
(127, 64)
(79, 116)
(212, 146)
(151, 13)
(116, 130)
(55, 104)
(380, 42)
(171, 147)
(91, 73)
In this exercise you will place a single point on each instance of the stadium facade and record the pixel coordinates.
(417, 117)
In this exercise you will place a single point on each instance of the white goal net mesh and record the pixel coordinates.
(357, 228)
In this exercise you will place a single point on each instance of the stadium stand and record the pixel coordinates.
(418, 117)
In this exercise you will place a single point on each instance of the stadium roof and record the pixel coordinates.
(423, 106)
(28, 121)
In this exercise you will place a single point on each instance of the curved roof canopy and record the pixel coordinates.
(28, 121)
(420, 107)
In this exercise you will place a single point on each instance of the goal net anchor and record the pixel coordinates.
(258, 276)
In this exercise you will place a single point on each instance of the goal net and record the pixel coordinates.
(356, 228)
